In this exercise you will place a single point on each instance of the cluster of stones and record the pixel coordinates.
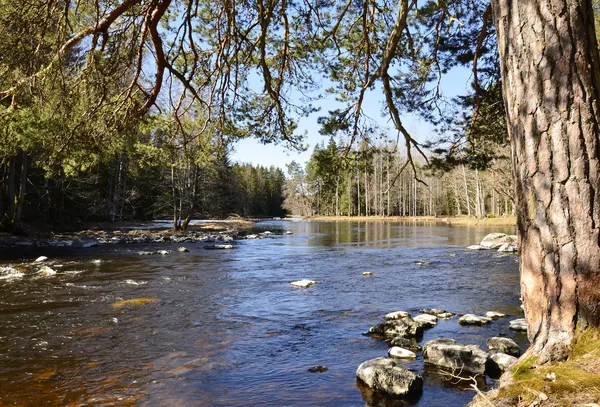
(401, 332)
(497, 241)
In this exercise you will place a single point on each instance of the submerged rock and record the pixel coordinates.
(504, 345)
(289, 232)
(472, 319)
(498, 363)
(518, 325)
(46, 271)
(495, 240)
(367, 273)
(219, 247)
(401, 353)
(133, 302)
(475, 247)
(405, 343)
(494, 314)
(391, 328)
(84, 243)
(386, 376)
(163, 252)
(449, 354)
(318, 369)
(426, 320)
(182, 250)
(432, 311)
(303, 283)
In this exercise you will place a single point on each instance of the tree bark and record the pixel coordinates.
(551, 80)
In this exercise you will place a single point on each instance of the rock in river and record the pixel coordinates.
(449, 354)
(495, 240)
(504, 345)
(494, 314)
(10, 273)
(303, 283)
(219, 247)
(518, 325)
(182, 249)
(432, 311)
(41, 259)
(397, 315)
(318, 369)
(427, 320)
(508, 248)
(405, 343)
(498, 363)
(384, 375)
(391, 328)
(401, 353)
(46, 271)
(472, 319)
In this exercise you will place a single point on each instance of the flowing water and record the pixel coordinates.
(225, 327)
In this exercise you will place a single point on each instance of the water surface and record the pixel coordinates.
(229, 330)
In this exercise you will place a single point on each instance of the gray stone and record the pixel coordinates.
(449, 354)
(475, 247)
(405, 343)
(445, 315)
(46, 271)
(391, 328)
(494, 314)
(504, 345)
(219, 247)
(401, 353)
(182, 249)
(397, 315)
(84, 242)
(472, 319)
(432, 311)
(426, 320)
(518, 325)
(303, 283)
(41, 259)
(495, 240)
(499, 363)
(508, 248)
(384, 375)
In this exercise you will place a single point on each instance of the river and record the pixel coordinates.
(225, 327)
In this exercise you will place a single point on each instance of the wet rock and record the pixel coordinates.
(96, 261)
(182, 249)
(508, 248)
(472, 319)
(133, 302)
(367, 273)
(475, 247)
(228, 238)
(495, 240)
(504, 345)
(386, 376)
(60, 243)
(498, 363)
(318, 369)
(401, 353)
(422, 263)
(397, 315)
(405, 343)
(163, 252)
(303, 283)
(219, 247)
(449, 354)
(289, 232)
(252, 237)
(41, 259)
(84, 243)
(445, 315)
(46, 271)
(146, 253)
(10, 273)
(518, 325)
(494, 314)
(432, 311)
(392, 328)
(426, 320)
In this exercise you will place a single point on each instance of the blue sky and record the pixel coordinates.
(252, 151)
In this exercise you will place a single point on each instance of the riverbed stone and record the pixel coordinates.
(499, 363)
(494, 314)
(182, 249)
(475, 247)
(495, 240)
(504, 345)
(46, 271)
(449, 354)
(41, 259)
(303, 283)
(391, 328)
(405, 343)
(219, 247)
(426, 320)
(432, 311)
(508, 248)
(472, 319)
(401, 353)
(397, 315)
(384, 375)
(445, 315)
(318, 369)
(367, 273)
(518, 325)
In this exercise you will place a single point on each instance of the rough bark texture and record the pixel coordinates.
(551, 82)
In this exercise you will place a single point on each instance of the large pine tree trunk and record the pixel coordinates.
(551, 82)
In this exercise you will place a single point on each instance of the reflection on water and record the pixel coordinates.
(229, 330)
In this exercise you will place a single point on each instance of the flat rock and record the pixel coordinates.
(182, 249)
(367, 273)
(391, 328)
(494, 314)
(397, 315)
(475, 247)
(401, 353)
(495, 240)
(472, 319)
(445, 315)
(384, 375)
(405, 343)
(303, 283)
(41, 259)
(426, 320)
(518, 325)
(499, 363)
(504, 345)
(432, 311)
(447, 353)
(219, 247)
(318, 369)
(508, 248)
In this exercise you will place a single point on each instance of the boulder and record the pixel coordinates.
(494, 314)
(518, 325)
(401, 353)
(252, 237)
(367, 273)
(163, 252)
(498, 363)
(445, 315)
(495, 240)
(397, 315)
(405, 343)
(391, 328)
(475, 247)
(41, 259)
(384, 375)
(508, 248)
(472, 319)
(46, 271)
(219, 247)
(303, 283)
(432, 311)
(504, 345)
(318, 369)
(426, 320)
(182, 249)
(449, 354)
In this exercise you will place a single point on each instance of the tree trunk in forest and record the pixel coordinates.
(466, 191)
(22, 191)
(551, 80)
(10, 210)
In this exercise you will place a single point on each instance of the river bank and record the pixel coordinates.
(94, 234)
(453, 220)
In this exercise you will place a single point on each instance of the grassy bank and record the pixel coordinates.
(574, 382)
(454, 220)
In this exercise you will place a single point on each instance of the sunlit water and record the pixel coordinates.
(229, 330)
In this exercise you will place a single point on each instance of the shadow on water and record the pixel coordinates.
(225, 328)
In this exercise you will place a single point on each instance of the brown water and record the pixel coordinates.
(229, 330)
